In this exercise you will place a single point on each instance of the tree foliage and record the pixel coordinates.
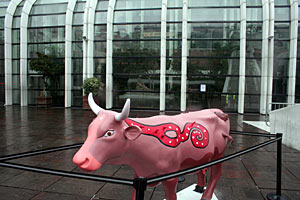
(47, 66)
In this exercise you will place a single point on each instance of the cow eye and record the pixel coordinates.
(109, 133)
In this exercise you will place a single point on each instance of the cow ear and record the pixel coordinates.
(132, 132)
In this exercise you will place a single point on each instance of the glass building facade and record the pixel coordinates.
(165, 55)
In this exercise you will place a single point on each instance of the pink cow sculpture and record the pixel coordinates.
(156, 145)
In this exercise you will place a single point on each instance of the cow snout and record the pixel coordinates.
(86, 161)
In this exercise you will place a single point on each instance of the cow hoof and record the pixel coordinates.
(199, 189)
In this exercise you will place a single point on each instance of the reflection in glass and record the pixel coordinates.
(214, 30)
(214, 14)
(214, 3)
(137, 16)
(137, 31)
(137, 4)
(136, 48)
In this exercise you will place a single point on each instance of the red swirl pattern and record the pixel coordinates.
(198, 134)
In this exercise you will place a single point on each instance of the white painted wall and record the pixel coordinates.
(287, 121)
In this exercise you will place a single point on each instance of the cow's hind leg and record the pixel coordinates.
(170, 187)
(200, 181)
(215, 174)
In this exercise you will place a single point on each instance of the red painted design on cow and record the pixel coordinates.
(198, 134)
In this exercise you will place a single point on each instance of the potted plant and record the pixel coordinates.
(48, 68)
(90, 85)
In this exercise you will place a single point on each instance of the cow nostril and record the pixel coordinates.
(85, 163)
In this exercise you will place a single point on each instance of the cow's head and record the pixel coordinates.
(108, 138)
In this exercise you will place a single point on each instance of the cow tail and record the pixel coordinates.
(228, 137)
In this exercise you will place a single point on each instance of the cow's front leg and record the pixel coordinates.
(170, 187)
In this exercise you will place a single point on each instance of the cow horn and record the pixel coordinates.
(95, 108)
(125, 112)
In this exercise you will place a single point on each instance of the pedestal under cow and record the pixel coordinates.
(156, 145)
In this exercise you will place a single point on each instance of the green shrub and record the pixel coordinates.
(93, 85)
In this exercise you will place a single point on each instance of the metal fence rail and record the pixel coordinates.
(140, 184)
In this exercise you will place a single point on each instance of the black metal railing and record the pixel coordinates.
(140, 184)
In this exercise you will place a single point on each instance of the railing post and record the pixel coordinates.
(140, 185)
(278, 195)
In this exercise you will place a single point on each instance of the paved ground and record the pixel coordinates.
(249, 177)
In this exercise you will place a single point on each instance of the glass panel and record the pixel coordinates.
(77, 82)
(197, 100)
(77, 98)
(174, 15)
(214, 30)
(49, 49)
(16, 22)
(49, 9)
(16, 51)
(137, 16)
(16, 96)
(18, 11)
(142, 65)
(173, 66)
(100, 32)
(101, 18)
(252, 85)
(50, 1)
(174, 30)
(173, 88)
(282, 31)
(2, 52)
(298, 82)
(137, 31)
(214, 48)
(102, 5)
(46, 35)
(139, 100)
(100, 67)
(254, 14)
(254, 49)
(79, 7)
(136, 48)
(174, 48)
(77, 33)
(48, 20)
(214, 14)
(2, 23)
(279, 90)
(254, 3)
(77, 49)
(16, 82)
(16, 36)
(252, 103)
(281, 49)
(281, 2)
(16, 66)
(254, 31)
(282, 14)
(78, 19)
(137, 4)
(215, 3)
(280, 67)
(175, 3)
(100, 49)
(213, 66)
(77, 66)
(2, 11)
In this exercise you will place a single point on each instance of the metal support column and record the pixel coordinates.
(278, 195)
